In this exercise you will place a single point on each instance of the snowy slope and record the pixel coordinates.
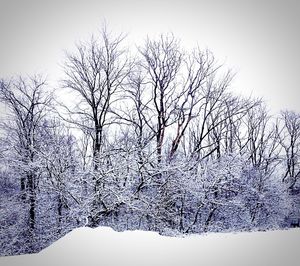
(103, 246)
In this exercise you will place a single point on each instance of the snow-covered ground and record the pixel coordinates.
(103, 246)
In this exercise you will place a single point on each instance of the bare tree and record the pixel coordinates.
(199, 68)
(27, 102)
(162, 60)
(262, 141)
(290, 141)
(96, 72)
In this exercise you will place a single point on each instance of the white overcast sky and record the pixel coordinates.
(257, 39)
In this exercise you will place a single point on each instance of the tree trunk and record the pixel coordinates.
(32, 200)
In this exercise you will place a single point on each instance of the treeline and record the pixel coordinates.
(155, 141)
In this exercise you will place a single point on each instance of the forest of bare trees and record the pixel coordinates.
(152, 139)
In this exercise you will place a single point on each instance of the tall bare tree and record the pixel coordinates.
(27, 102)
(199, 68)
(96, 72)
(162, 60)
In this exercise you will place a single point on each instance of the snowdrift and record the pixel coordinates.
(103, 246)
